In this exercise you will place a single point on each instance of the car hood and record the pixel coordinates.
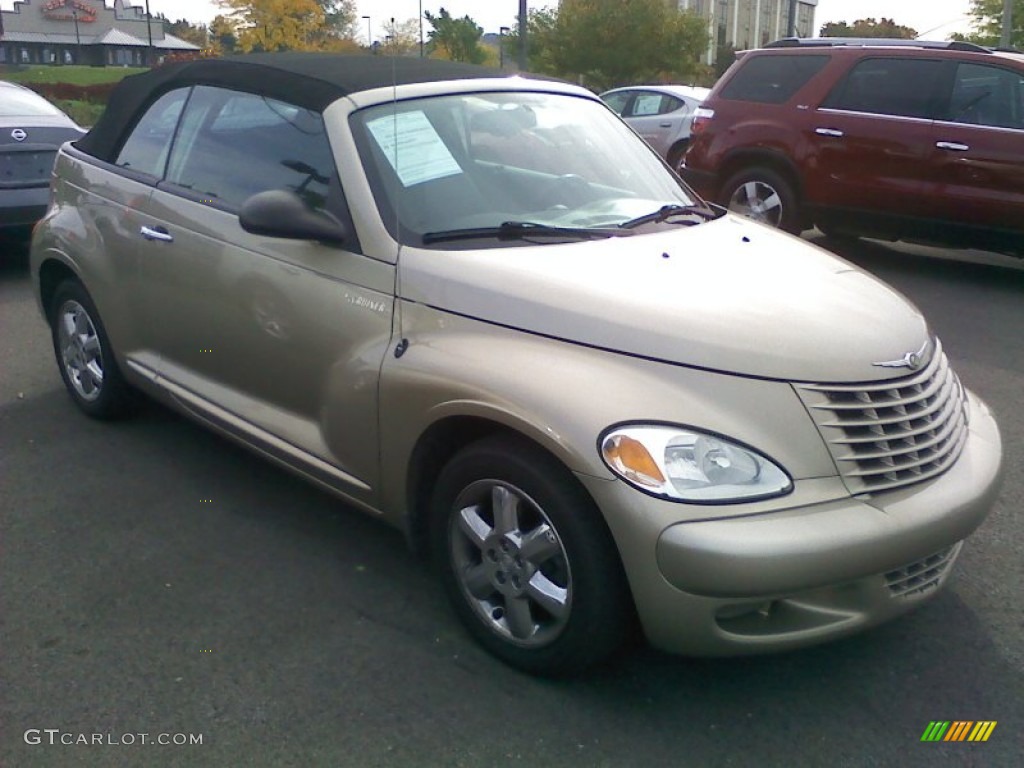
(728, 295)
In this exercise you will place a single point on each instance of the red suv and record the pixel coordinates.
(899, 139)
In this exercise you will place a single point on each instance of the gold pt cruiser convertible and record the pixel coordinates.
(482, 309)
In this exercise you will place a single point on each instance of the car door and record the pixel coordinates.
(868, 141)
(976, 160)
(657, 117)
(278, 341)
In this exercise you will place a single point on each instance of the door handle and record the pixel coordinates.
(664, 125)
(952, 145)
(156, 233)
(829, 132)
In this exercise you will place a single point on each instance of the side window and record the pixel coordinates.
(149, 142)
(234, 145)
(772, 79)
(904, 87)
(984, 95)
(670, 104)
(618, 101)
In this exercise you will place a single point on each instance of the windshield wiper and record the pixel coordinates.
(669, 211)
(521, 230)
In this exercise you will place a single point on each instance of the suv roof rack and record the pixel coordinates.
(889, 42)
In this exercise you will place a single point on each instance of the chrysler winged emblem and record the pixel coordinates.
(911, 360)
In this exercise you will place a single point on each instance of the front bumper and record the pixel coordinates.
(779, 580)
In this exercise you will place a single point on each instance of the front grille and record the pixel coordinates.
(892, 433)
(923, 576)
(26, 168)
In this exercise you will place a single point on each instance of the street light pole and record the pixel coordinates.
(149, 29)
(1006, 39)
(421, 29)
(78, 38)
(502, 31)
(522, 35)
(369, 33)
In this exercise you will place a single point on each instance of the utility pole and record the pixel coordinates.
(149, 29)
(522, 36)
(421, 29)
(1006, 39)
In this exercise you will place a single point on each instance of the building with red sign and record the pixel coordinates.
(84, 32)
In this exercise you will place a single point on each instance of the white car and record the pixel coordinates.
(662, 114)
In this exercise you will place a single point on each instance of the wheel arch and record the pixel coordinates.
(52, 272)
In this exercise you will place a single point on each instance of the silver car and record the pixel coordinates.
(31, 130)
(482, 310)
(661, 114)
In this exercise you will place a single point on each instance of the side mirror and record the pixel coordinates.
(280, 213)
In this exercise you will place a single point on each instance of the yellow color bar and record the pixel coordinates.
(982, 730)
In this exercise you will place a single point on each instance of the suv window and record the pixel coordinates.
(897, 86)
(147, 146)
(984, 95)
(772, 79)
(234, 145)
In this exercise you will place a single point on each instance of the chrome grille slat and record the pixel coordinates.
(888, 434)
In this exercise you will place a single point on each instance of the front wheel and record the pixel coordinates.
(763, 195)
(527, 561)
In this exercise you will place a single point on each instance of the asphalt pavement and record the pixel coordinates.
(156, 579)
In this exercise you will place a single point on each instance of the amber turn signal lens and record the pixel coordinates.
(631, 458)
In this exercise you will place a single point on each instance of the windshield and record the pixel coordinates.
(482, 161)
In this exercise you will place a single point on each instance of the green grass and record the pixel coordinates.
(74, 75)
(85, 113)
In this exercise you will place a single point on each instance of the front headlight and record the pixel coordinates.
(683, 464)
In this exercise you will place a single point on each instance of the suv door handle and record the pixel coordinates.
(955, 146)
(156, 233)
(829, 132)
(664, 125)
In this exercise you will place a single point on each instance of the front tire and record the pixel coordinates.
(84, 354)
(526, 559)
(763, 195)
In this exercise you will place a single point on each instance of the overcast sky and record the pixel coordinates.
(942, 16)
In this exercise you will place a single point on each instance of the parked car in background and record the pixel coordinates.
(481, 309)
(31, 132)
(895, 139)
(662, 114)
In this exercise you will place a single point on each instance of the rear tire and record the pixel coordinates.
(526, 559)
(84, 354)
(765, 196)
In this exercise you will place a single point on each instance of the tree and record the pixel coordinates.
(223, 34)
(988, 23)
(277, 25)
(455, 39)
(340, 18)
(868, 28)
(618, 42)
(401, 38)
(541, 40)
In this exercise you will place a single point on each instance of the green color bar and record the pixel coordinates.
(935, 731)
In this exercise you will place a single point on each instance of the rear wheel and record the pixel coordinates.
(527, 561)
(84, 354)
(675, 155)
(763, 195)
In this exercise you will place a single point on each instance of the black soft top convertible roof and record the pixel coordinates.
(310, 80)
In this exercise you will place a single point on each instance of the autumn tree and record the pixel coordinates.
(455, 39)
(401, 38)
(223, 34)
(987, 21)
(340, 17)
(886, 28)
(197, 34)
(277, 25)
(618, 42)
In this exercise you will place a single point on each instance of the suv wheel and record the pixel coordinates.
(526, 559)
(762, 195)
(84, 354)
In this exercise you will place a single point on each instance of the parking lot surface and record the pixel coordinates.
(156, 579)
